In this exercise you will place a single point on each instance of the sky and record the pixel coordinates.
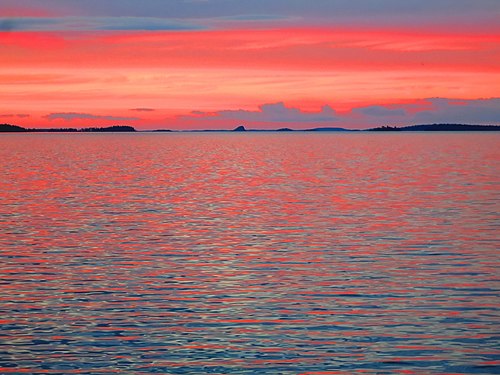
(267, 64)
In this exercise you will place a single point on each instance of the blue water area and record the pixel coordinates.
(253, 253)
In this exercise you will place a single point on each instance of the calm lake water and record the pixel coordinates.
(253, 253)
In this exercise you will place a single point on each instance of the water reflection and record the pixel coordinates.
(249, 253)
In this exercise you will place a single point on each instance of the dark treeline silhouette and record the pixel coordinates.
(12, 128)
(54, 130)
(18, 129)
(385, 129)
(438, 127)
(116, 128)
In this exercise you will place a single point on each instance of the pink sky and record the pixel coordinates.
(86, 67)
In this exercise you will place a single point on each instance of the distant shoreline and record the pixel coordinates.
(9, 128)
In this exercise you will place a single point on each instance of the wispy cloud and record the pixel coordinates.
(274, 113)
(380, 111)
(142, 109)
(68, 116)
(431, 110)
(18, 115)
(483, 111)
(448, 13)
(95, 24)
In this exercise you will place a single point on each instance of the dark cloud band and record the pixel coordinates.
(86, 116)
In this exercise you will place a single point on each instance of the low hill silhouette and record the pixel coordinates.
(12, 128)
(328, 130)
(116, 128)
(438, 127)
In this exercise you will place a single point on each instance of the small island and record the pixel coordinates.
(116, 128)
(8, 128)
(437, 127)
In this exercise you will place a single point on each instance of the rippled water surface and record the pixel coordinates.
(254, 253)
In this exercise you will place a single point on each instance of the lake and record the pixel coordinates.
(250, 253)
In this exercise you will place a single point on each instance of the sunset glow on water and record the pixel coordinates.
(255, 253)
